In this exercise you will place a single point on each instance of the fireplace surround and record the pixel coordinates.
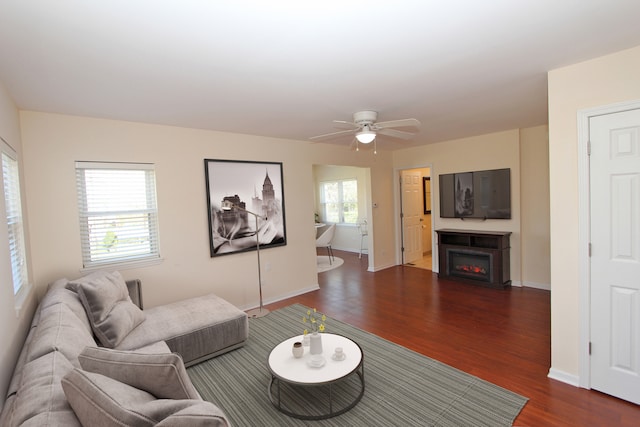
(477, 257)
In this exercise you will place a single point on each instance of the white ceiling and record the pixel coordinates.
(287, 68)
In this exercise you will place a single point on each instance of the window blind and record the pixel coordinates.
(339, 201)
(13, 210)
(118, 213)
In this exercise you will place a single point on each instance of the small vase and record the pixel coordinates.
(316, 343)
(305, 340)
(298, 350)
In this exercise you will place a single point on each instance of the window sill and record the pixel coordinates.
(123, 265)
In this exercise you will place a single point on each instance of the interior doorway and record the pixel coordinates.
(415, 218)
(342, 197)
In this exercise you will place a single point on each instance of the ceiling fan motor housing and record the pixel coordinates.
(365, 117)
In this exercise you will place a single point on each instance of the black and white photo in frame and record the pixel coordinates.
(238, 193)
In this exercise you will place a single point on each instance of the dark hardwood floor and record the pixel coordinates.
(502, 336)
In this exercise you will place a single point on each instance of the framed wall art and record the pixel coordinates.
(239, 194)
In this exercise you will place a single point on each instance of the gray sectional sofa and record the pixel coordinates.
(94, 357)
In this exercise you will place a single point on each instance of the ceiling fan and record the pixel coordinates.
(365, 128)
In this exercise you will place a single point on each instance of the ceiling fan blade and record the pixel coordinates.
(396, 133)
(333, 135)
(415, 123)
(343, 124)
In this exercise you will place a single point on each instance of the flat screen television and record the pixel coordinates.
(480, 194)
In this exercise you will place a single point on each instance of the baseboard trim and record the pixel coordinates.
(380, 267)
(564, 377)
(352, 250)
(543, 286)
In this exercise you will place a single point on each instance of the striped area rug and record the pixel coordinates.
(403, 388)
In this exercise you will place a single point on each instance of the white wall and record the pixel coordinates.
(601, 81)
(52, 143)
(13, 327)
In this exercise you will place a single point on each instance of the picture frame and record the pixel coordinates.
(239, 194)
(426, 194)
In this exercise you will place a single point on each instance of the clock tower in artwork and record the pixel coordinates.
(268, 195)
(266, 205)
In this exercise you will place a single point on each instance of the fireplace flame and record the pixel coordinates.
(470, 268)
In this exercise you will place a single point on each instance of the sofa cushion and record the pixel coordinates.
(58, 293)
(198, 414)
(40, 399)
(58, 418)
(22, 360)
(109, 308)
(162, 375)
(155, 348)
(101, 401)
(61, 330)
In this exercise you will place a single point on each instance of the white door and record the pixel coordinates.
(411, 185)
(615, 254)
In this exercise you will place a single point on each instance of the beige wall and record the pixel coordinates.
(492, 151)
(52, 143)
(13, 326)
(534, 202)
(606, 80)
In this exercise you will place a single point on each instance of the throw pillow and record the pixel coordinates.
(110, 311)
(162, 375)
(99, 401)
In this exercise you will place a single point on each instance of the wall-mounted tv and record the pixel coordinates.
(480, 194)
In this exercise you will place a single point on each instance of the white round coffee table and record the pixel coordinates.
(299, 372)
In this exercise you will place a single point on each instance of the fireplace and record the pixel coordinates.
(478, 257)
(469, 265)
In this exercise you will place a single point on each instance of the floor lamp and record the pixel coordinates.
(261, 311)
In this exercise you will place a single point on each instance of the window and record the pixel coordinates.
(339, 201)
(13, 211)
(118, 213)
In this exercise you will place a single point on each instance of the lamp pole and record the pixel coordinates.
(260, 311)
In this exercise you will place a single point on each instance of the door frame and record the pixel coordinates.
(584, 230)
(397, 176)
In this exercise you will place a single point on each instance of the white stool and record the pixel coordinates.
(364, 232)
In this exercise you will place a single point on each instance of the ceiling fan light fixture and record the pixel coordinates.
(366, 136)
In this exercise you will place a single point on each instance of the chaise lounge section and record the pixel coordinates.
(197, 329)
